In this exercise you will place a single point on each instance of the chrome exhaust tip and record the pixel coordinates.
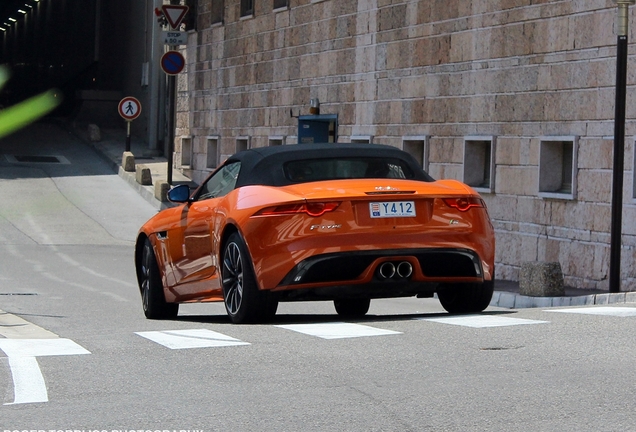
(404, 269)
(386, 270)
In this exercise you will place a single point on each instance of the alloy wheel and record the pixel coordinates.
(233, 278)
(145, 274)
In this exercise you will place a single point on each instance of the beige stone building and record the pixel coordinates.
(514, 97)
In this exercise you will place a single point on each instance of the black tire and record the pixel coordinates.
(466, 298)
(153, 299)
(352, 308)
(244, 302)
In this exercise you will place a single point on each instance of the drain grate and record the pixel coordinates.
(46, 159)
(38, 159)
(18, 294)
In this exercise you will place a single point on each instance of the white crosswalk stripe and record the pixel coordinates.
(337, 330)
(602, 310)
(483, 321)
(193, 338)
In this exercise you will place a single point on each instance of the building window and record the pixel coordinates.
(281, 4)
(217, 11)
(212, 153)
(362, 139)
(242, 143)
(479, 163)
(247, 7)
(417, 146)
(276, 141)
(186, 152)
(558, 167)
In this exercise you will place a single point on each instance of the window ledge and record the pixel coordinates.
(488, 190)
(557, 195)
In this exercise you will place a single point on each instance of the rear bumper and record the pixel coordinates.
(364, 273)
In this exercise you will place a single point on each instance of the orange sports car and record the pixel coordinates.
(341, 222)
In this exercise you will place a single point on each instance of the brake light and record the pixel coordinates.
(313, 209)
(319, 209)
(464, 204)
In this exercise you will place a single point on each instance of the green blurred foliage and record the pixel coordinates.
(20, 115)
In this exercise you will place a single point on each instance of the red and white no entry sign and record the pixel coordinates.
(129, 108)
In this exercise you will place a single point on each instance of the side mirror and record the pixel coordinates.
(179, 194)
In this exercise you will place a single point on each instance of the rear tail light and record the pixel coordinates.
(465, 203)
(313, 209)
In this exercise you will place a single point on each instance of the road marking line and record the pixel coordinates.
(193, 338)
(337, 330)
(28, 382)
(114, 296)
(483, 321)
(40, 347)
(595, 310)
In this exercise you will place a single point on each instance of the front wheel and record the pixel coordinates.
(352, 308)
(466, 298)
(152, 297)
(244, 302)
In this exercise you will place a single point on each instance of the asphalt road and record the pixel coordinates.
(90, 361)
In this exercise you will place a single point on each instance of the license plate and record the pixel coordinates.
(392, 209)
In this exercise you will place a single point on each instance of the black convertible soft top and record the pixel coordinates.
(265, 165)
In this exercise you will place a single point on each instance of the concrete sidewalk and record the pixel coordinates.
(112, 144)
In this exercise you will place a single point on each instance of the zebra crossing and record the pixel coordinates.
(202, 338)
(30, 386)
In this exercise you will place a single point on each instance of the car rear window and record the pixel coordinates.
(301, 171)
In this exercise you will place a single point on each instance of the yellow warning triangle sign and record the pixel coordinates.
(174, 14)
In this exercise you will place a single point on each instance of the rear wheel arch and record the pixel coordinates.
(228, 230)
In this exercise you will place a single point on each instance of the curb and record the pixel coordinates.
(510, 300)
(146, 192)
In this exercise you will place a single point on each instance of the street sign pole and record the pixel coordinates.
(129, 109)
(619, 146)
(172, 64)
(172, 87)
(128, 135)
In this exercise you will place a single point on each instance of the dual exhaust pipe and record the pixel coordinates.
(390, 270)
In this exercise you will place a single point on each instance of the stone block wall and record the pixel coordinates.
(515, 70)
